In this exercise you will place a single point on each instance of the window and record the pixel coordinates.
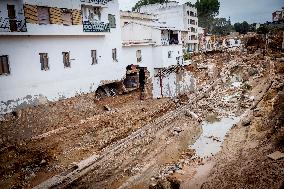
(188, 13)
(12, 18)
(94, 57)
(66, 59)
(170, 54)
(67, 17)
(4, 65)
(139, 56)
(43, 15)
(112, 22)
(44, 61)
(114, 54)
(11, 11)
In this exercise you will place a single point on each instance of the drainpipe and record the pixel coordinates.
(161, 82)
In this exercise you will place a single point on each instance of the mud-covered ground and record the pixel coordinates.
(43, 144)
(142, 144)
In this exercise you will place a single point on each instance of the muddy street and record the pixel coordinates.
(155, 143)
(141, 94)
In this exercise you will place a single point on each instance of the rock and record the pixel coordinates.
(43, 162)
(257, 113)
(246, 121)
(107, 108)
(177, 129)
(276, 155)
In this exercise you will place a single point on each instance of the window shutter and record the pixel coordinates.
(55, 15)
(111, 19)
(31, 14)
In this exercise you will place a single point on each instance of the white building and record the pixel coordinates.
(157, 49)
(146, 19)
(181, 17)
(50, 49)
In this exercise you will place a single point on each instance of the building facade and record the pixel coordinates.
(51, 50)
(154, 46)
(181, 17)
(278, 16)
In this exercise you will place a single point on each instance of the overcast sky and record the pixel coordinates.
(258, 11)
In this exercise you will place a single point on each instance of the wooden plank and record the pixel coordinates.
(31, 13)
(77, 17)
(55, 15)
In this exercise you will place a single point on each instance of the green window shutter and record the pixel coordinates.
(111, 19)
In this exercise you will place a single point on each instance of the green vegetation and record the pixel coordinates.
(221, 26)
(207, 11)
(141, 3)
(187, 56)
(242, 28)
(263, 30)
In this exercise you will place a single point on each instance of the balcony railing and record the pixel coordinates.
(95, 27)
(97, 2)
(12, 25)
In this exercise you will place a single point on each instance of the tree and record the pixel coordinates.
(263, 29)
(141, 3)
(242, 28)
(221, 26)
(207, 10)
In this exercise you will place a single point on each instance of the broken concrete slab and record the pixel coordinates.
(276, 155)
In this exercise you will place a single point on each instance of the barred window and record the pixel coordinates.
(139, 56)
(44, 61)
(94, 57)
(114, 54)
(112, 21)
(66, 59)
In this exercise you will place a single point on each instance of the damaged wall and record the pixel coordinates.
(172, 82)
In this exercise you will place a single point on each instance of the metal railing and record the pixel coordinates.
(97, 2)
(95, 27)
(12, 25)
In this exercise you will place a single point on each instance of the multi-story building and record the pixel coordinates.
(278, 15)
(50, 50)
(181, 17)
(150, 45)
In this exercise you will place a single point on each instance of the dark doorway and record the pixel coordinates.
(12, 18)
(11, 11)
(142, 78)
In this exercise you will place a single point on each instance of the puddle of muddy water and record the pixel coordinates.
(212, 137)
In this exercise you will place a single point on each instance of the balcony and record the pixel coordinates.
(12, 25)
(95, 27)
(97, 2)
